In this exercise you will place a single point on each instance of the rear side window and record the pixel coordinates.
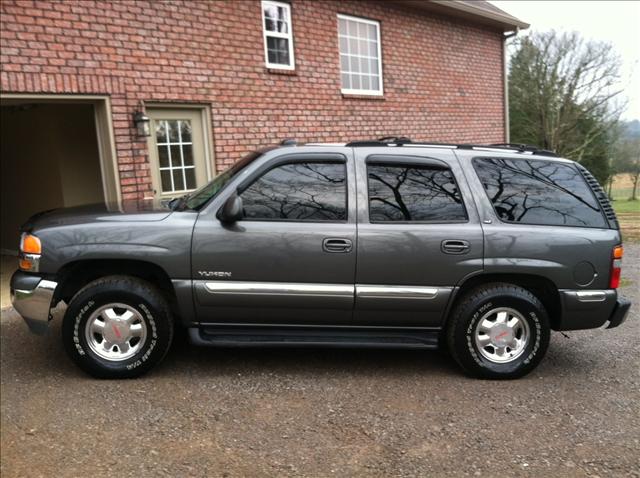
(538, 192)
(399, 193)
(309, 191)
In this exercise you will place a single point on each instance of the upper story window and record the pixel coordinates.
(360, 57)
(538, 192)
(304, 191)
(278, 36)
(399, 193)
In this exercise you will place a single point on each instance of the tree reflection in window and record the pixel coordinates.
(538, 192)
(298, 192)
(412, 193)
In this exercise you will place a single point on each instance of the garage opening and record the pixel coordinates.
(51, 156)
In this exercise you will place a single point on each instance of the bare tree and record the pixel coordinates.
(564, 95)
(627, 161)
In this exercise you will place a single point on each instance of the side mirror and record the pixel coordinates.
(231, 210)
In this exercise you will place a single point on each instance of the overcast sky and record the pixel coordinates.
(616, 22)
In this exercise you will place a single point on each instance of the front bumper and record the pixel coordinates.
(31, 296)
(589, 309)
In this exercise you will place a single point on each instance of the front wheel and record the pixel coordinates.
(498, 331)
(117, 327)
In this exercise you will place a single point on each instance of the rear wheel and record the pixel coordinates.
(498, 331)
(117, 327)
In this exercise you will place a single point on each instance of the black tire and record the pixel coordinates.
(134, 293)
(481, 301)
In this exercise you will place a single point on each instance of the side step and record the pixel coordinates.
(224, 335)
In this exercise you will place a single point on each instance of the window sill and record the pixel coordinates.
(278, 71)
(351, 96)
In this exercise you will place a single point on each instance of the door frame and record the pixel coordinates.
(207, 134)
(104, 132)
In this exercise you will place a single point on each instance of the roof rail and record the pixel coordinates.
(289, 142)
(395, 139)
(384, 141)
(522, 148)
(403, 140)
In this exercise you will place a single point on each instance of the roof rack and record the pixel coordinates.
(403, 140)
(522, 148)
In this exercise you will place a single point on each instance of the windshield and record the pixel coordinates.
(200, 197)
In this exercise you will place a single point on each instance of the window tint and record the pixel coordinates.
(539, 192)
(413, 193)
(299, 192)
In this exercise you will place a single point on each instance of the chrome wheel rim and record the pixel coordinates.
(502, 335)
(116, 332)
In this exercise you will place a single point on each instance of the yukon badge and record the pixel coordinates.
(220, 274)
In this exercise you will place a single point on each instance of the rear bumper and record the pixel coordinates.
(589, 309)
(31, 296)
(620, 312)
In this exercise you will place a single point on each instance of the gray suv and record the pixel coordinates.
(388, 243)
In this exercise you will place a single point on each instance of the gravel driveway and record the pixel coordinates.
(207, 412)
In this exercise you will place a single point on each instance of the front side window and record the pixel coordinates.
(305, 191)
(538, 192)
(399, 193)
(360, 57)
(278, 37)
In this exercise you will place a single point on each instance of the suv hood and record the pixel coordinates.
(138, 211)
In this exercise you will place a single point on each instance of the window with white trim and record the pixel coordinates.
(360, 56)
(278, 36)
(175, 156)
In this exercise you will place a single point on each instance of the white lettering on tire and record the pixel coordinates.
(76, 327)
(152, 344)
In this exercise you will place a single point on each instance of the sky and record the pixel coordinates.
(615, 22)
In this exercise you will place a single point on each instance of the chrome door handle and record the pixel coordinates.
(455, 246)
(336, 244)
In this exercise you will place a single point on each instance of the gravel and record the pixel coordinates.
(208, 412)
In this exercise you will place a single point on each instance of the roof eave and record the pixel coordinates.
(469, 11)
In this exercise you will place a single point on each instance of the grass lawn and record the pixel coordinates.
(625, 206)
(628, 213)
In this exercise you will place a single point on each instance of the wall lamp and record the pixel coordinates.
(143, 123)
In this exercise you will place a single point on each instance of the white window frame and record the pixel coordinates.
(288, 35)
(181, 166)
(349, 91)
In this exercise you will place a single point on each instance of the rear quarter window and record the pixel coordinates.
(538, 192)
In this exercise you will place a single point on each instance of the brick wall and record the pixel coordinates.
(442, 77)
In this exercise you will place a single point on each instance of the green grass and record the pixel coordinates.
(625, 206)
(628, 213)
(625, 282)
(621, 193)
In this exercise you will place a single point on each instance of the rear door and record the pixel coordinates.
(418, 235)
(291, 259)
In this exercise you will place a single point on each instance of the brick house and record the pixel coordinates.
(216, 79)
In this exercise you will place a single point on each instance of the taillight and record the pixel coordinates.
(616, 267)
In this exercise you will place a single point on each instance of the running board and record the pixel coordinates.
(319, 336)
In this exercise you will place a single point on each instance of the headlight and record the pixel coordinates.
(30, 251)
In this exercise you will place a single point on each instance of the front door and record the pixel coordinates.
(291, 259)
(418, 236)
(177, 151)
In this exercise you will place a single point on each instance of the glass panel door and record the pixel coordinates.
(177, 152)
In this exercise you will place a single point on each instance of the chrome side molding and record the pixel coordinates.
(395, 292)
(279, 288)
(325, 290)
